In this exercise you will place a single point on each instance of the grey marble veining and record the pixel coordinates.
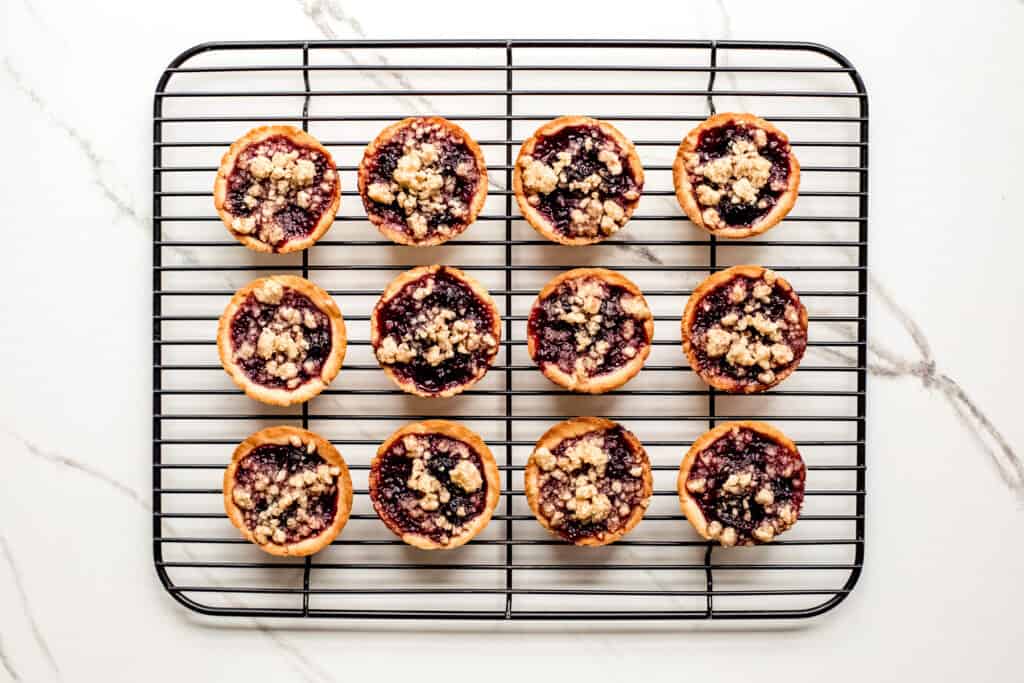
(26, 607)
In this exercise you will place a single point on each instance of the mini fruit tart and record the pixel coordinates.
(423, 180)
(434, 484)
(744, 330)
(735, 175)
(588, 481)
(277, 189)
(590, 330)
(435, 331)
(288, 491)
(742, 483)
(577, 180)
(282, 339)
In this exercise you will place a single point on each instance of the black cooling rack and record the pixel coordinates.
(500, 90)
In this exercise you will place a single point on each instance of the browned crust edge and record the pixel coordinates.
(284, 397)
(602, 383)
(572, 428)
(684, 189)
(688, 503)
(393, 288)
(711, 283)
(456, 431)
(280, 435)
(399, 233)
(227, 164)
(534, 217)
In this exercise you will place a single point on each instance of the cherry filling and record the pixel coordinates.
(748, 487)
(749, 330)
(436, 332)
(279, 338)
(590, 485)
(424, 180)
(579, 179)
(738, 172)
(587, 327)
(287, 493)
(278, 190)
(432, 485)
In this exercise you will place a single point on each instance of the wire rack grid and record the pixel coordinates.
(500, 90)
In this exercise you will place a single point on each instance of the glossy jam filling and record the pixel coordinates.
(431, 485)
(580, 180)
(436, 333)
(278, 191)
(287, 493)
(585, 329)
(590, 485)
(281, 342)
(423, 181)
(748, 487)
(738, 174)
(748, 330)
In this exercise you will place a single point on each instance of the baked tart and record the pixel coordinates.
(590, 330)
(744, 329)
(735, 175)
(742, 483)
(277, 189)
(288, 491)
(588, 481)
(281, 339)
(423, 180)
(434, 484)
(435, 331)
(577, 180)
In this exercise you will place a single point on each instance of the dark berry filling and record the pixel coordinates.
(423, 181)
(278, 190)
(748, 330)
(287, 493)
(431, 485)
(583, 328)
(748, 487)
(590, 485)
(279, 338)
(436, 332)
(580, 180)
(738, 174)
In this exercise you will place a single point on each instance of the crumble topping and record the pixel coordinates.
(749, 330)
(588, 328)
(279, 338)
(737, 172)
(590, 485)
(287, 493)
(436, 331)
(578, 180)
(432, 485)
(278, 190)
(749, 487)
(424, 180)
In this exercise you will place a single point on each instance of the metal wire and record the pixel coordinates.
(205, 555)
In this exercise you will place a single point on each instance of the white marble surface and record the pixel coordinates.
(941, 589)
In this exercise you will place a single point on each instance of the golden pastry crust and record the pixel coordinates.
(541, 223)
(281, 436)
(578, 380)
(298, 138)
(307, 390)
(688, 503)
(394, 288)
(685, 192)
(490, 475)
(573, 429)
(721, 279)
(401, 233)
